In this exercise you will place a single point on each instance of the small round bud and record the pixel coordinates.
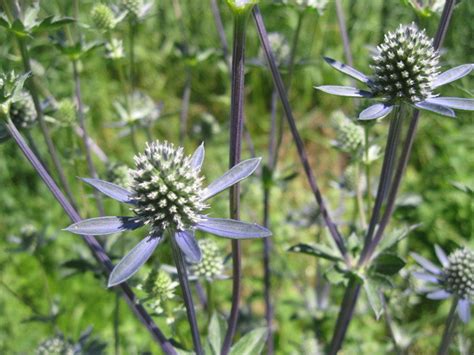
(212, 263)
(133, 6)
(119, 174)
(160, 285)
(103, 17)
(459, 274)
(22, 111)
(167, 189)
(66, 113)
(349, 136)
(405, 65)
(55, 346)
(351, 179)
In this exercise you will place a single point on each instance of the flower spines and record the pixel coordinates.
(167, 188)
(405, 66)
(459, 274)
(212, 263)
(103, 17)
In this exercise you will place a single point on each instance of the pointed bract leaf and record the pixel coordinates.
(425, 277)
(438, 295)
(233, 229)
(459, 103)
(104, 225)
(131, 262)
(373, 296)
(347, 69)
(214, 334)
(318, 250)
(464, 310)
(436, 108)
(251, 343)
(112, 190)
(231, 177)
(375, 111)
(198, 157)
(188, 245)
(442, 257)
(428, 265)
(344, 91)
(387, 264)
(452, 74)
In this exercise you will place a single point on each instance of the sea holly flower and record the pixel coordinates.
(211, 266)
(454, 279)
(405, 71)
(167, 195)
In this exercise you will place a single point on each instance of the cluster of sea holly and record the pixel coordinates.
(167, 188)
(459, 274)
(406, 65)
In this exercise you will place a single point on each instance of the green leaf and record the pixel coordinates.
(4, 21)
(394, 237)
(318, 250)
(31, 14)
(387, 264)
(372, 290)
(335, 276)
(214, 336)
(251, 343)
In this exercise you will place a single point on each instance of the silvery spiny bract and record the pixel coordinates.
(455, 278)
(405, 71)
(168, 195)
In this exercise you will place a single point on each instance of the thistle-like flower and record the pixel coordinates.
(22, 111)
(405, 71)
(454, 279)
(103, 17)
(55, 346)
(65, 113)
(168, 195)
(211, 266)
(349, 136)
(119, 174)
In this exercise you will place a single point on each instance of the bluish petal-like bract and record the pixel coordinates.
(438, 295)
(104, 225)
(426, 277)
(135, 258)
(459, 103)
(436, 108)
(452, 75)
(442, 257)
(237, 173)
(198, 157)
(373, 112)
(112, 190)
(233, 229)
(344, 91)
(428, 265)
(188, 245)
(347, 69)
(464, 310)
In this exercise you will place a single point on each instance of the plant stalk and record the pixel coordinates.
(187, 296)
(95, 247)
(449, 328)
(235, 150)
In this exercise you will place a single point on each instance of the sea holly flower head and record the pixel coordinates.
(454, 279)
(211, 266)
(103, 17)
(168, 195)
(405, 72)
(349, 135)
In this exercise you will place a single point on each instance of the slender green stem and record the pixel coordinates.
(341, 20)
(187, 296)
(360, 198)
(95, 247)
(117, 324)
(368, 164)
(185, 100)
(235, 150)
(449, 328)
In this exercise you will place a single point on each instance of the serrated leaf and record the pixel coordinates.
(387, 264)
(251, 343)
(373, 296)
(318, 250)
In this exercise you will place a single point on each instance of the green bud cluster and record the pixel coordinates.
(351, 179)
(119, 174)
(167, 189)
(212, 263)
(160, 285)
(66, 112)
(459, 274)
(133, 6)
(405, 66)
(22, 111)
(55, 346)
(349, 136)
(103, 17)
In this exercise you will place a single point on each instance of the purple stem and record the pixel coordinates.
(262, 32)
(92, 243)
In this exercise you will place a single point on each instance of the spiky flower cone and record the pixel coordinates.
(55, 346)
(405, 66)
(349, 136)
(160, 285)
(167, 188)
(22, 112)
(459, 274)
(66, 113)
(132, 6)
(103, 17)
(212, 263)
